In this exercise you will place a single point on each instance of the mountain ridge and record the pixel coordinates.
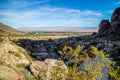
(5, 30)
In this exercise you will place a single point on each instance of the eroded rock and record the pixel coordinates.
(103, 26)
(116, 15)
(45, 69)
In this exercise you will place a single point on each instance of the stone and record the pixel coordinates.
(116, 15)
(115, 26)
(102, 67)
(44, 69)
(35, 67)
(103, 26)
(115, 20)
(100, 46)
(41, 55)
(39, 48)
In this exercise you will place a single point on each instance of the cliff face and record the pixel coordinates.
(4, 29)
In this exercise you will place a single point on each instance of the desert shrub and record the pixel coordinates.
(21, 65)
(27, 54)
(2, 79)
(69, 50)
(58, 72)
(50, 40)
(90, 70)
(114, 72)
(17, 55)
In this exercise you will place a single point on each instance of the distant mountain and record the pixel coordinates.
(5, 29)
(59, 29)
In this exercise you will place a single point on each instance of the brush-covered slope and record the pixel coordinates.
(5, 29)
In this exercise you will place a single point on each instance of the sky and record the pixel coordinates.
(56, 13)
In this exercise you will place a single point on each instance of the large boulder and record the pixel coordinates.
(49, 69)
(116, 15)
(115, 20)
(104, 26)
(98, 67)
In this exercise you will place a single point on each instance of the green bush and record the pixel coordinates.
(114, 72)
(17, 55)
(89, 73)
(2, 79)
(21, 65)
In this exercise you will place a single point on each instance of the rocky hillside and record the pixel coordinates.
(13, 59)
(89, 57)
(5, 29)
(94, 57)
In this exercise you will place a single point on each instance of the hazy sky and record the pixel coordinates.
(56, 13)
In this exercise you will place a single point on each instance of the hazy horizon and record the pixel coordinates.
(58, 29)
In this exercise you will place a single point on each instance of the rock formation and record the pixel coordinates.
(116, 15)
(103, 26)
(115, 21)
(106, 27)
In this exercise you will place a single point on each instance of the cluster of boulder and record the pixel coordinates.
(106, 27)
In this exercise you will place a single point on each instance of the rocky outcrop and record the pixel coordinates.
(116, 15)
(103, 26)
(11, 54)
(45, 69)
(106, 27)
(115, 21)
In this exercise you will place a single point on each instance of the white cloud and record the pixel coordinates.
(89, 12)
(52, 12)
(52, 16)
(16, 4)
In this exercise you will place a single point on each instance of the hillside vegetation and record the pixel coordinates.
(7, 30)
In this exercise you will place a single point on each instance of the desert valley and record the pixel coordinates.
(61, 55)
